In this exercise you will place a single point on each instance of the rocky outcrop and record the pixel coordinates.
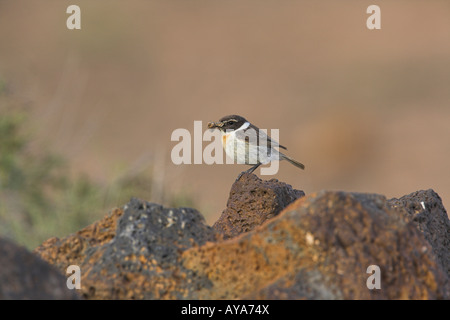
(288, 246)
(320, 248)
(25, 276)
(253, 201)
(134, 252)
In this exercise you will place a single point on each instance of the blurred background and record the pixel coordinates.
(86, 115)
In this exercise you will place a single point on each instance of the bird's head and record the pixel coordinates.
(231, 122)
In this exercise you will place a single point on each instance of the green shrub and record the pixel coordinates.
(39, 199)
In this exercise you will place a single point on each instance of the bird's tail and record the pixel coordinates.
(294, 162)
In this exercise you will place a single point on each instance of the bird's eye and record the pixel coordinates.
(230, 122)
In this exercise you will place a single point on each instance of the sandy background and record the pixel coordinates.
(365, 111)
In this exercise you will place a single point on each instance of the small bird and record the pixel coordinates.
(247, 144)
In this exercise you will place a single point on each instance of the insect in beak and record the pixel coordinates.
(213, 125)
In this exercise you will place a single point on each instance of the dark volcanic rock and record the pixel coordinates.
(253, 201)
(141, 260)
(425, 208)
(150, 229)
(23, 275)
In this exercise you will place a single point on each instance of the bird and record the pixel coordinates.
(247, 144)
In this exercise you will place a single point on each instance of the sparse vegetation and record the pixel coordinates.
(39, 199)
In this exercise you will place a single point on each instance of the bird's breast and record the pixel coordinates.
(228, 141)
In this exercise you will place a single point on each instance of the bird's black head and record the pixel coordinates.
(231, 122)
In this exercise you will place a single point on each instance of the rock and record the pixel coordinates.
(253, 201)
(140, 260)
(425, 208)
(25, 276)
(72, 249)
(320, 248)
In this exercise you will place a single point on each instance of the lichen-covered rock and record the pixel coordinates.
(140, 260)
(72, 249)
(320, 248)
(253, 201)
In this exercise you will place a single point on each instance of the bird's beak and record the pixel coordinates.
(213, 125)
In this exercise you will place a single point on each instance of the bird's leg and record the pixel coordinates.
(253, 168)
(248, 171)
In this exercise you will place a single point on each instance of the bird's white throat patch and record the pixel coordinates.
(244, 126)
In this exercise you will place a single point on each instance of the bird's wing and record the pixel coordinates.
(251, 133)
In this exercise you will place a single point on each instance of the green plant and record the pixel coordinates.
(39, 199)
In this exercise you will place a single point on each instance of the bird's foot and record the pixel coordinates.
(248, 171)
